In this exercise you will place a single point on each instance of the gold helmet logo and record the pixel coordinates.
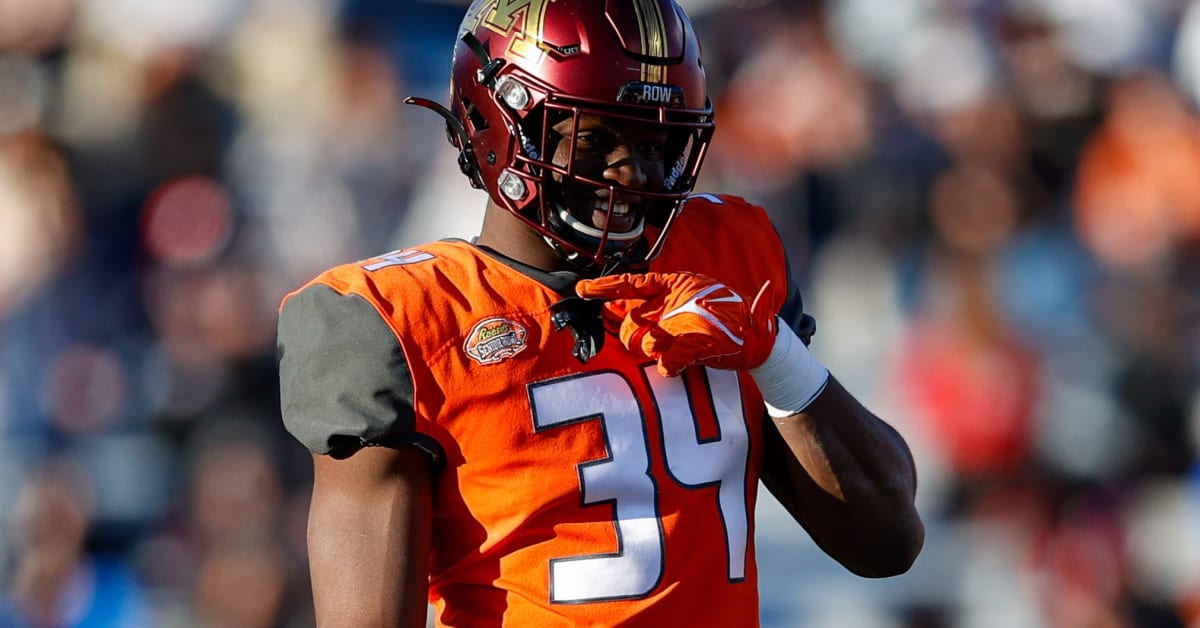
(522, 20)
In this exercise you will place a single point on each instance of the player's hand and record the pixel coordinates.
(681, 319)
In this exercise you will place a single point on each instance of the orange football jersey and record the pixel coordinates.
(577, 494)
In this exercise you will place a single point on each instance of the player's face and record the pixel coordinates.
(627, 153)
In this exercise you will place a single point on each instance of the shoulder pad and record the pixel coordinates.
(719, 199)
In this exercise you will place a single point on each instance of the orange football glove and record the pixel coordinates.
(681, 319)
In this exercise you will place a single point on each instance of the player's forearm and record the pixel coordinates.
(352, 589)
(849, 478)
(849, 453)
(368, 538)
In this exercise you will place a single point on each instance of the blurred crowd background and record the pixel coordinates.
(993, 207)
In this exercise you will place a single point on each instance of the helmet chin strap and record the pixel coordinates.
(582, 264)
(455, 131)
(458, 137)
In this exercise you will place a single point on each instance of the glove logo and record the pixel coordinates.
(680, 319)
(495, 339)
(697, 305)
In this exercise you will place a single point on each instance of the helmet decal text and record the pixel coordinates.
(639, 93)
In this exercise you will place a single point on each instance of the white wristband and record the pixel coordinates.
(791, 377)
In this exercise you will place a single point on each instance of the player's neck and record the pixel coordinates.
(504, 233)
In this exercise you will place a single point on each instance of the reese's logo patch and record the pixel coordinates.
(494, 339)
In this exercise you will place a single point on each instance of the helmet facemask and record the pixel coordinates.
(545, 188)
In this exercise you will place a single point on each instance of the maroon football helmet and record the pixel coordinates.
(523, 66)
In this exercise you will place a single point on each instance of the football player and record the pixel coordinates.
(564, 422)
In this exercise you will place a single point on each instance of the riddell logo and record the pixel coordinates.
(494, 339)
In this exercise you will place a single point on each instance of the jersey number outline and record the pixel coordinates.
(401, 257)
(624, 478)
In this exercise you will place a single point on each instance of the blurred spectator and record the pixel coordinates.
(35, 26)
(39, 221)
(1138, 199)
(56, 580)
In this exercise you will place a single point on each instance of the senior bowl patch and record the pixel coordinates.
(494, 339)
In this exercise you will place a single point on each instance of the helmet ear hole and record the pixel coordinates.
(475, 120)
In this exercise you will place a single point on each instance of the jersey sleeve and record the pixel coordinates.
(344, 381)
(792, 311)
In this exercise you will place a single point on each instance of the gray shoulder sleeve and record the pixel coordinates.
(343, 378)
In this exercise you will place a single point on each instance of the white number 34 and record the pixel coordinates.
(624, 478)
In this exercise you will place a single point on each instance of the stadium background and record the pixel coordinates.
(993, 207)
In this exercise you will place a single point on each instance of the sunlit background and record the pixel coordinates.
(993, 208)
